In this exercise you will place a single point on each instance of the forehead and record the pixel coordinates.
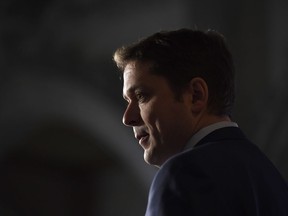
(138, 75)
(137, 69)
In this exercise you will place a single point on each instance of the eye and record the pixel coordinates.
(141, 96)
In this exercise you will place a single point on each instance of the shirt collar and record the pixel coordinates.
(207, 130)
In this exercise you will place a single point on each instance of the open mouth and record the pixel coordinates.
(142, 136)
(143, 141)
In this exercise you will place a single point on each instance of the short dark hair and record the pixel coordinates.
(184, 54)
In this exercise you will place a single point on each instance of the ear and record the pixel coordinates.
(199, 94)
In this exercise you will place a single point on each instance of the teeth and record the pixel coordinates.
(143, 137)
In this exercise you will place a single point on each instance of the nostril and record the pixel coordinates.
(128, 122)
(128, 119)
(133, 123)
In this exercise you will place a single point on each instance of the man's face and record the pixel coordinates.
(161, 123)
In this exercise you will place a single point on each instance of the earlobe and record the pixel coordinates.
(199, 92)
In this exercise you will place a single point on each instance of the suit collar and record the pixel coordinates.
(227, 133)
(207, 130)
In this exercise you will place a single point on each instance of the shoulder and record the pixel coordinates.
(190, 180)
(212, 154)
(223, 175)
(212, 162)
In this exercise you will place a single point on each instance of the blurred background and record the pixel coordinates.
(63, 149)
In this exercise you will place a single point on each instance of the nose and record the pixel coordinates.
(131, 115)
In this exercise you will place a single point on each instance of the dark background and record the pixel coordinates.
(63, 149)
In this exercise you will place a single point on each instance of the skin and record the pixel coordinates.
(162, 124)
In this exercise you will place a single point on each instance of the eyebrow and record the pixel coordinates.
(131, 90)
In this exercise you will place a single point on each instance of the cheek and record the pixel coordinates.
(160, 123)
(148, 115)
(152, 116)
(159, 117)
(171, 121)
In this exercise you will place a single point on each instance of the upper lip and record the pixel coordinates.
(139, 133)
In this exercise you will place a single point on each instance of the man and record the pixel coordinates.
(179, 88)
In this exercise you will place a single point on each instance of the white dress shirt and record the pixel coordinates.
(207, 130)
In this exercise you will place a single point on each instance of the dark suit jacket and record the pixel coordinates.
(225, 174)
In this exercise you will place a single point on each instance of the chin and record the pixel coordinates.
(149, 159)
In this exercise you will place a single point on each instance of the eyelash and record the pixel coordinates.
(141, 97)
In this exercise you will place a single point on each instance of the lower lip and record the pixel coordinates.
(144, 141)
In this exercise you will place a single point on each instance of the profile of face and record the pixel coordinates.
(161, 123)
